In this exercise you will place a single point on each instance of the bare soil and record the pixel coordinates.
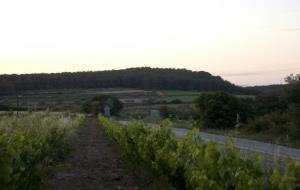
(94, 164)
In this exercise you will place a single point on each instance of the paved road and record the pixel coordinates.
(272, 150)
(3, 100)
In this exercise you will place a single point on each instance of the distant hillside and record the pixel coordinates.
(268, 89)
(142, 78)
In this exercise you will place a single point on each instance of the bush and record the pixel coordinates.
(167, 112)
(219, 110)
(180, 112)
(96, 105)
(4, 108)
(265, 104)
(275, 123)
(176, 101)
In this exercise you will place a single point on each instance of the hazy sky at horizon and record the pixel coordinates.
(248, 42)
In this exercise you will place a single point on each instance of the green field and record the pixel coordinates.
(189, 96)
(72, 99)
(62, 100)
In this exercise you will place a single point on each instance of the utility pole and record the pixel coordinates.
(237, 125)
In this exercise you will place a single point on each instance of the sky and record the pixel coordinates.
(248, 42)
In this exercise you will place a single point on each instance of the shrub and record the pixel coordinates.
(167, 112)
(219, 110)
(181, 112)
(275, 123)
(96, 105)
(176, 101)
(4, 108)
(265, 104)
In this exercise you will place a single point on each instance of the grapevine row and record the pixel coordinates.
(29, 143)
(193, 164)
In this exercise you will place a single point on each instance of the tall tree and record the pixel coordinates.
(220, 110)
(293, 94)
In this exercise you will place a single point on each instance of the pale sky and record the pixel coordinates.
(248, 42)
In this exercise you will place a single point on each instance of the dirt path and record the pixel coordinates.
(95, 164)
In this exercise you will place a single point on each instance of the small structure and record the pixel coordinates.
(154, 113)
(107, 111)
(237, 125)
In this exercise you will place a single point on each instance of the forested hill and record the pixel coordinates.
(142, 78)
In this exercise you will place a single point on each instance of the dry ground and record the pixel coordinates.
(94, 164)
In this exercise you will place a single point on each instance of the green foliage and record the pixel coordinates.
(265, 104)
(96, 105)
(4, 108)
(275, 123)
(293, 88)
(219, 110)
(268, 89)
(176, 101)
(278, 114)
(293, 95)
(29, 142)
(290, 181)
(181, 112)
(192, 164)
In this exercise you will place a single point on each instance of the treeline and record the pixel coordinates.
(142, 78)
(275, 116)
(275, 89)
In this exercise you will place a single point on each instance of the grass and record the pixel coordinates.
(185, 96)
(190, 96)
(64, 99)
(180, 93)
(157, 106)
(72, 99)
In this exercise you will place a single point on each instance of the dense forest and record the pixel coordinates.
(142, 78)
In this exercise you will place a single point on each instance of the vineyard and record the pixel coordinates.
(30, 143)
(192, 164)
